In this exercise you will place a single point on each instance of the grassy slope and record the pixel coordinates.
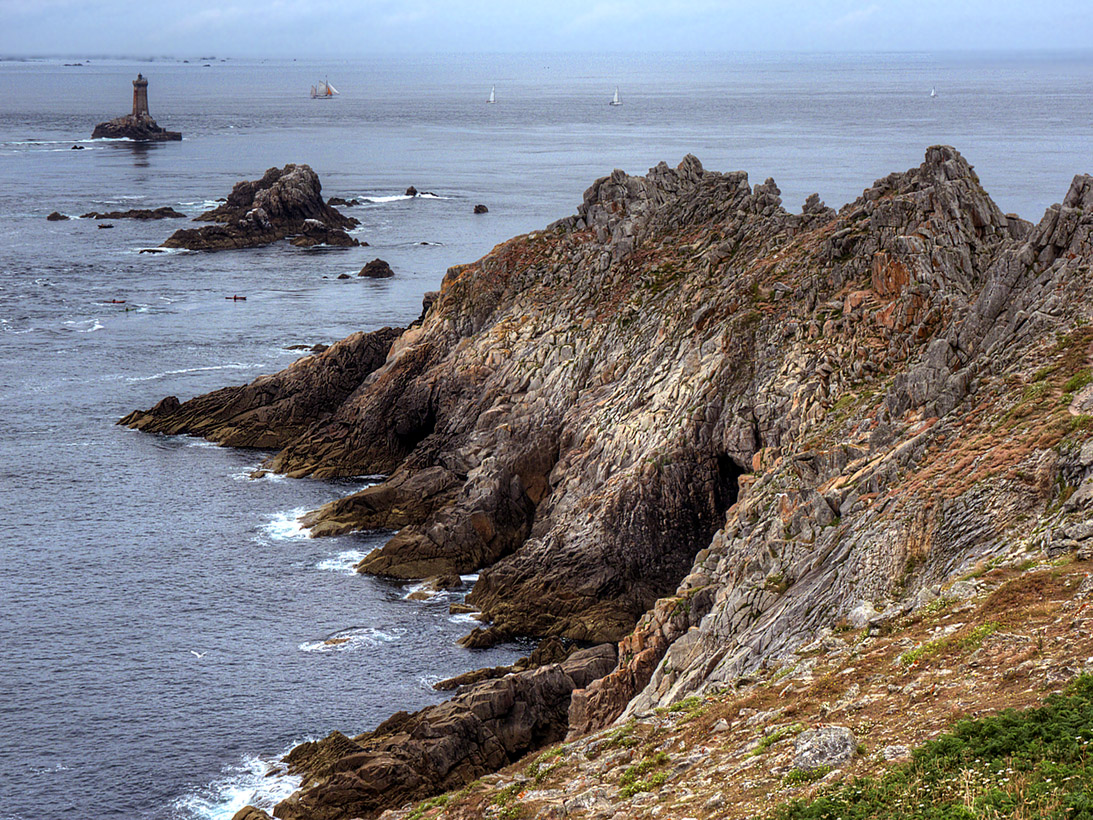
(944, 680)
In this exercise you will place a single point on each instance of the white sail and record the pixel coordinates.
(493, 97)
(615, 100)
(933, 92)
(331, 89)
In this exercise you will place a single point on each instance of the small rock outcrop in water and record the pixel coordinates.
(411, 191)
(481, 209)
(57, 216)
(376, 269)
(442, 747)
(284, 202)
(137, 213)
(138, 125)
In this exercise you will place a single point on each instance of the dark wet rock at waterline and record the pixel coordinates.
(164, 212)
(481, 209)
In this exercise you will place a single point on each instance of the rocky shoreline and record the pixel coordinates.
(694, 424)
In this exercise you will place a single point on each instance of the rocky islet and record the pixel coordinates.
(691, 422)
(285, 203)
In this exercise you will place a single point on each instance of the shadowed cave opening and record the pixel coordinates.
(410, 434)
(728, 483)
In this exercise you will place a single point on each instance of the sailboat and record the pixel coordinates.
(933, 92)
(493, 96)
(323, 91)
(615, 100)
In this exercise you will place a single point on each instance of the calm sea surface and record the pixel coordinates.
(123, 557)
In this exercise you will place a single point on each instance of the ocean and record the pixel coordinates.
(162, 617)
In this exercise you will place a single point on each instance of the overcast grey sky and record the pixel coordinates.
(348, 28)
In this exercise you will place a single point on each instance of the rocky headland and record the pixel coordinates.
(285, 203)
(692, 423)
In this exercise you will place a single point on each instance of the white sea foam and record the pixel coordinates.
(355, 637)
(84, 325)
(383, 200)
(427, 681)
(286, 526)
(464, 618)
(165, 373)
(161, 251)
(344, 562)
(254, 781)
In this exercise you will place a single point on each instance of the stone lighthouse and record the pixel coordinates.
(140, 98)
(138, 126)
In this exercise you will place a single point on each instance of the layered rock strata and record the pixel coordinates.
(771, 422)
(285, 202)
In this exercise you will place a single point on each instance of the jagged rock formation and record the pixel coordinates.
(776, 420)
(284, 202)
(441, 747)
(581, 408)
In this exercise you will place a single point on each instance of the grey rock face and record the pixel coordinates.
(827, 746)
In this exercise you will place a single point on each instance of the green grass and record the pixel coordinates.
(767, 741)
(802, 777)
(1035, 763)
(970, 642)
(439, 801)
(544, 764)
(634, 779)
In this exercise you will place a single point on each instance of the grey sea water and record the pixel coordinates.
(125, 557)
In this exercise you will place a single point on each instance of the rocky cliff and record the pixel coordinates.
(770, 422)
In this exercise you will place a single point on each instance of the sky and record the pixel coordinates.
(356, 28)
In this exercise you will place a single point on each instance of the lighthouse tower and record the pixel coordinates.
(140, 98)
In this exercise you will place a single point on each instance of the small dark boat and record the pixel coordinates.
(116, 302)
(236, 298)
(101, 227)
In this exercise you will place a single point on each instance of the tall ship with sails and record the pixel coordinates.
(323, 91)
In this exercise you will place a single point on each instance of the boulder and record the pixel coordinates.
(861, 615)
(411, 191)
(376, 269)
(481, 209)
(828, 746)
(56, 217)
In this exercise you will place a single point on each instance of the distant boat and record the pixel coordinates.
(323, 91)
(933, 92)
(615, 100)
(493, 95)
